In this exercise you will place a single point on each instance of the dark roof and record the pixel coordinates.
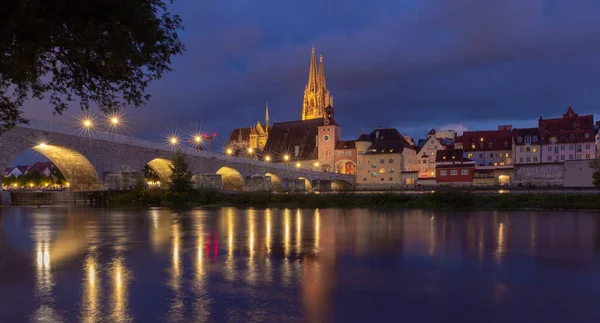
(448, 143)
(387, 141)
(285, 136)
(235, 134)
(461, 165)
(569, 128)
(346, 144)
(534, 133)
(499, 139)
(431, 132)
(450, 155)
(363, 137)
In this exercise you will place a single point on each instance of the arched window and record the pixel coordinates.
(382, 170)
(520, 139)
(571, 136)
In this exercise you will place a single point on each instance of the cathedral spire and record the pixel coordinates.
(321, 79)
(312, 72)
(267, 117)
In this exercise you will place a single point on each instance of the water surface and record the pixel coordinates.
(233, 265)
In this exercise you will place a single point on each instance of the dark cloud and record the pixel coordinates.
(409, 64)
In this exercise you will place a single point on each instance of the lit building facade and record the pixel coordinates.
(345, 157)
(452, 168)
(571, 137)
(316, 96)
(489, 147)
(427, 155)
(527, 146)
(254, 137)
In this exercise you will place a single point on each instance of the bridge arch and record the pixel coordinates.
(341, 185)
(78, 171)
(232, 179)
(275, 182)
(307, 184)
(345, 166)
(162, 168)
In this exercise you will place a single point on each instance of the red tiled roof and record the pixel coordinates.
(487, 140)
(346, 144)
(569, 128)
(40, 166)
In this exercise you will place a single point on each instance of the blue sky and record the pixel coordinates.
(412, 65)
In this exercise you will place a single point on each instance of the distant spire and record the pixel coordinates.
(321, 79)
(267, 117)
(240, 138)
(312, 72)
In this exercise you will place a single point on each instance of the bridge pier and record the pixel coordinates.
(122, 180)
(321, 185)
(208, 181)
(257, 183)
(293, 185)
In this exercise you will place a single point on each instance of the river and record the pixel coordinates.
(65, 264)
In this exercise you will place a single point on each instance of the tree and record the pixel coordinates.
(595, 165)
(103, 51)
(181, 177)
(150, 174)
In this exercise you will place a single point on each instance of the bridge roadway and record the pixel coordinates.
(85, 158)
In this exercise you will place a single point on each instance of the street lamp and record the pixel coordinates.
(297, 165)
(43, 145)
(114, 121)
(198, 139)
(229, 151)
(268, 158)
(173, 140)
(87, 123)
(286, 157)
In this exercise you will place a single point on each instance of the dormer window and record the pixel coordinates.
(528, 140)
(535, 138)
(505, 144)
(586, 135)
(520, 139)
(571, 136)
(490, 144)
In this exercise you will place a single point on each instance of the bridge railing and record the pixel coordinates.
(132, 141)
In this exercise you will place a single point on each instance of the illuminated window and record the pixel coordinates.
(501, 163)
(534, 150)
(382, 170)
(469, 155)
(473, 146)
(391, 170)
(454, 172)
(506, 155)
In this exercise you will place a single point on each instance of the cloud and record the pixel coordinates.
(411, 64)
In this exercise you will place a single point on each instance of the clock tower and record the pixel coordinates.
(329, 134)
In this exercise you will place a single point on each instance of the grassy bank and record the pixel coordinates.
(438, 200)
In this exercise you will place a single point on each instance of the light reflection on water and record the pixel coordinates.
(277, 265)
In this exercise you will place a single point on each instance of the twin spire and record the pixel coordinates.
(316, 95)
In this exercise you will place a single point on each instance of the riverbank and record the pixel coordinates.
(436, 200)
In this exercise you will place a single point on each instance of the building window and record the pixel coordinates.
(381, 161)
(443, 172)
(490, 144)
(390, 179)
(587, 146)
(472, 146)
(373, 174)
(549, 148)
(528, 140)
(480, 155)
(492, 155)
(534, 149)
(340, 153)
(549, 158)
(391, 170)
(527, 159)
(454, 172)
(481, 145)
(535, 159)
(570, 157)
(505, 144)
(382, 170)
(521, 149)
(520, 139)
(391, 161)
(373, 165)
(470, 155)
(578, 156)
(571, 136)
(586, 135)
(501, 163)
(506, 155)
(571, 147)
(382, 179)
(464, 172)
(587, 156)
(535, 138)
(349, 153)
(527, 149)
(562, 147)
(364, 179)
(520, 159)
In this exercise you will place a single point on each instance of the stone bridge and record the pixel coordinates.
(96, 160)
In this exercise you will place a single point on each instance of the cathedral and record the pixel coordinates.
(316, 95)
(309, 142)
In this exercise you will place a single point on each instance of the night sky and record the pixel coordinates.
(412, 64)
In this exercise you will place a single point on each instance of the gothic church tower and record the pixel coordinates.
(316, 95)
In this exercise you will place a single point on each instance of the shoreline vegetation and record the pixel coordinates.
(442, 200)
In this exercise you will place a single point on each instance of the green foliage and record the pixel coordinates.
(181, 177)
(150, 174)
(100, 51)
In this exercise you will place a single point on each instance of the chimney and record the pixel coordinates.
(540, 118)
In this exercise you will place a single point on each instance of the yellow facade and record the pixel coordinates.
(316, 95)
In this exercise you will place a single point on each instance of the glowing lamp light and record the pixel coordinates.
(229, 151)
(43, 145)
(297, 165)
(250, 150)
(198, 139)
(87, 123)
(268, 158)
(173, 140)
(316, 164)
(286, 157)
(114, 120)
